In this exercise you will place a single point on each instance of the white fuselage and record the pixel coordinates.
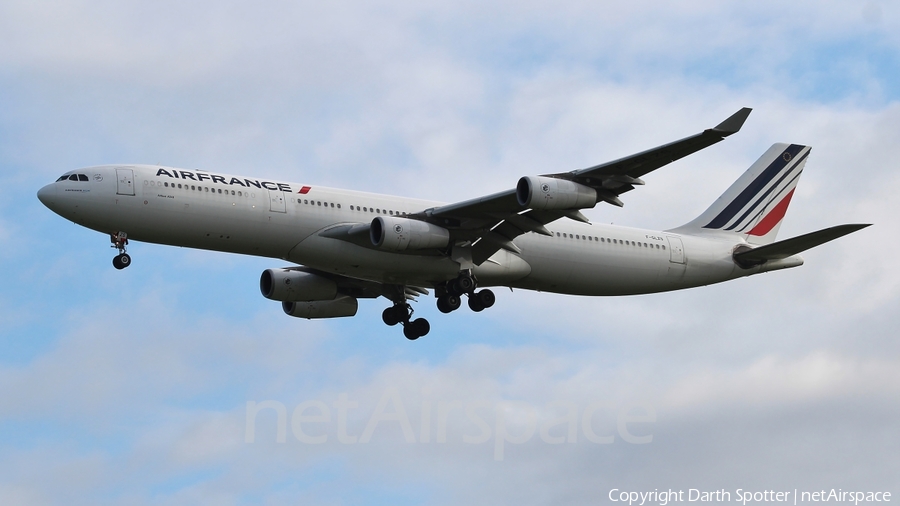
(212, 211)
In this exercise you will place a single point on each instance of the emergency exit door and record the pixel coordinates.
(276, 201)
(125, 181)
(676, 249)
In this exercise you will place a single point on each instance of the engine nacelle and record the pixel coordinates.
(393, 233)
(341, 306)
(293, 286)
(536, 192)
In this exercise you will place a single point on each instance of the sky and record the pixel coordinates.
(175, 382)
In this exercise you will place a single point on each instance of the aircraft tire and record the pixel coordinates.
(475, 303)
(420, 326)
(448, 303)
(465, 284)
(486, 298)
(390, 316)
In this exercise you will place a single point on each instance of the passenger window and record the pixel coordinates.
(339, 206)
(664, 247)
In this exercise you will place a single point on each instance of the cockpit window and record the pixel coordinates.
(62, 178)
(73, 177)
(82, 177)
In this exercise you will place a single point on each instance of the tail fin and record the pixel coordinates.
(754, 206)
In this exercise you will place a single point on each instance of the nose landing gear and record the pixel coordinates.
(402, 313)
(119, 240)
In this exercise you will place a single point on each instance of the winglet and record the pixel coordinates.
(734, 122)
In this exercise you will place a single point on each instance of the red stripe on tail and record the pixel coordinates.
(774, 216)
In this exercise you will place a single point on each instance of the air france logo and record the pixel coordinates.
(215, 178)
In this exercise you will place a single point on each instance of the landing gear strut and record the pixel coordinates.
(119, 240)
(465, 284)
(401, 313)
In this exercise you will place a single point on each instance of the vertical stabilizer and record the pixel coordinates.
(755, 205)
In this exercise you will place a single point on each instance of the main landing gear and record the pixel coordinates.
(465, 284)
(401, 313)
(119, 240)
(449, 300)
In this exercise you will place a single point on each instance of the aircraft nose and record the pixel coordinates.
(46, 195)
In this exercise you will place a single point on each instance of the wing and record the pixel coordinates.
(492, 222)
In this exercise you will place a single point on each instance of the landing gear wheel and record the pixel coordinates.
(121, 261)
(482, 300)
(448, 303)
(416, 329)
(465, 284)
(119, 240)
(390, 316)
(486, 298)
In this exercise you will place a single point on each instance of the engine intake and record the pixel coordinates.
(392, 233)
(536, 192)
(294, 286)
(337, 308)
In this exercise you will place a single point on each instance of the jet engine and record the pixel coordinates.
(536, 192)
(341, 306)
(289, 285)
(393, 233)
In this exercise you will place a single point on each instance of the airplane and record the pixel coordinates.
(348, 245)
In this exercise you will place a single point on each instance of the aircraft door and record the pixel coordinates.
(676, 249)
(276, 201)
(125, 181)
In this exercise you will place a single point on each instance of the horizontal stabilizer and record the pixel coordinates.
(788, 247)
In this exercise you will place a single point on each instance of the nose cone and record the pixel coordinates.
(47, 195)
